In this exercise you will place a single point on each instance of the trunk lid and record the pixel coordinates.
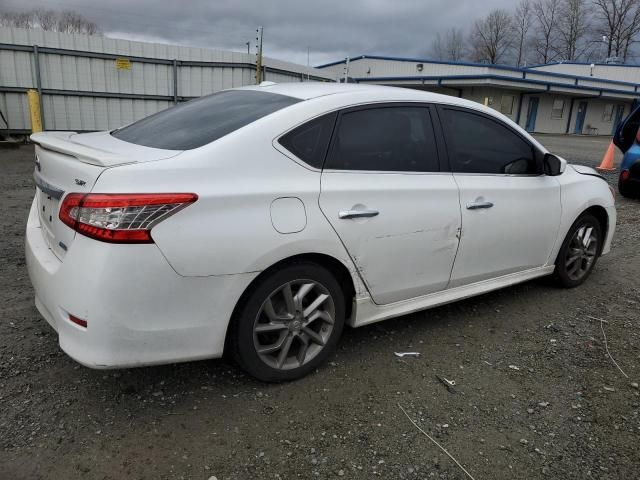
(68, 162)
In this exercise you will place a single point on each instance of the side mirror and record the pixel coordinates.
(554, 165)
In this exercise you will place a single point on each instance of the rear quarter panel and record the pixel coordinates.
(229, 229)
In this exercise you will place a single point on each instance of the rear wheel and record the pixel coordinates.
(289, 323)
(579, 252)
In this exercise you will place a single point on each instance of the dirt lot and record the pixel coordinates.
(565, 412)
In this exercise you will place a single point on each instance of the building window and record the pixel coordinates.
(558, 108)
(607, 115)
(506, 104)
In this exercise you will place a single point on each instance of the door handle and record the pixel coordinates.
(346, 214)
(479, 205)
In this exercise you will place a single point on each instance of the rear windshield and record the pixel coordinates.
(204, 120)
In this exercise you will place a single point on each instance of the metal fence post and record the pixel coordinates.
(175, 81)
(36, 61)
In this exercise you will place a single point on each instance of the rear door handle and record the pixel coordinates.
(346, 214)
(479, 205)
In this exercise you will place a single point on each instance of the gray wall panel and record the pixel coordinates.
(75, 83)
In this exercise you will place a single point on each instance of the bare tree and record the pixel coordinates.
(45, 19)
(16, 19)
(449, 46)
(547, 14)
(67, 22)
(573, 24)
(630, 27)
(492, 37)
(521, 21)
(619, 24)
(72, 22)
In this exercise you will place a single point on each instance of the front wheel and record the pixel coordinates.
(579, 252)
(289, 323)
(624, 188)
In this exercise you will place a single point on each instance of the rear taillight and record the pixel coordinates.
(624, 176)
(121, 217)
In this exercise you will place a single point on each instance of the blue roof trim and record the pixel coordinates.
(584, 63)
(524, 71)
(440, 79)
(421, 60)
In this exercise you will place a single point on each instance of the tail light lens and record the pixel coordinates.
(121, 217)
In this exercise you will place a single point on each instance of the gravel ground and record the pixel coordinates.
(536, 395)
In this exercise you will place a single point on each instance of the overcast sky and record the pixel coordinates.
(332, 29)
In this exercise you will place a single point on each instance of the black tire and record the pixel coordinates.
(564, 274)
(252, 314)
(625, 190)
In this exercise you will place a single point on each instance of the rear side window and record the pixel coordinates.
(477, 144)
(389, 139)
(310, 141)
(202, 121)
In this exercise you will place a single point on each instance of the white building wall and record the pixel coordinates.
(545, 121)
(623, 73)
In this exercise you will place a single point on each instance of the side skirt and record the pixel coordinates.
(368, 312)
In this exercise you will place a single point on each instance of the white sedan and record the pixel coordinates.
(259, 221)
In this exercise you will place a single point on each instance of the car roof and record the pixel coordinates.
(354, 93)
(310, 90)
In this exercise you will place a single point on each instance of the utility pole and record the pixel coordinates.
(308, 66)
(346, 70)
(259, 32)
(248, 48)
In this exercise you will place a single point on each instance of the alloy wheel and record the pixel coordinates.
(294, 324)
(582, 252)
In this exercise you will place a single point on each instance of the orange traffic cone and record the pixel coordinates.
(607, 161)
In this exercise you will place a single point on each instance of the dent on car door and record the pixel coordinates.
(384, 195)
(627, 130)
(510, 210)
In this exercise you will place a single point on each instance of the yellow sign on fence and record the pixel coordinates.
(123, 64)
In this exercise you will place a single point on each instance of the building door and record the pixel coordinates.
(618, 118)
(533, 113)
(582, 112)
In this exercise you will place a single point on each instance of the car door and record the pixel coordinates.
(510, 209)
(383, 192)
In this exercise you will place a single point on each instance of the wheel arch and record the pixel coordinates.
(600, 213)
(334, 265)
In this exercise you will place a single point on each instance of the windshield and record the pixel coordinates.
(203, 120)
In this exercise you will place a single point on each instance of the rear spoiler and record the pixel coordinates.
(61, 142)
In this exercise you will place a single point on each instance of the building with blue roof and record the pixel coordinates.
(574, 98)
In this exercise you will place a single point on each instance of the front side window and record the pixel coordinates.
(477, 144)
(203, 120)
(388, 139)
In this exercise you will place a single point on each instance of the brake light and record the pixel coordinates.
(624, 176)
(120, 217)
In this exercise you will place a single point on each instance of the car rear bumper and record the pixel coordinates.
(139, 311)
